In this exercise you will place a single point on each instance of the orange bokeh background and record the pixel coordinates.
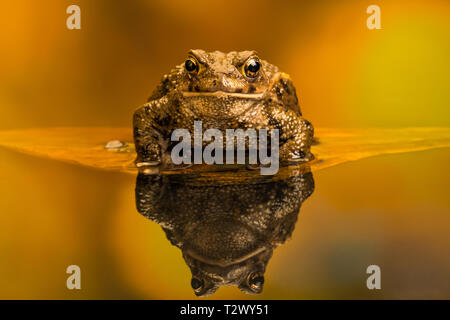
(345, 74)
(53, 214)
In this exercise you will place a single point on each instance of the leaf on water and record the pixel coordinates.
(343, 145)
(86, 145)
(82, 145)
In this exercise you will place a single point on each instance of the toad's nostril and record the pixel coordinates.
(228, 83)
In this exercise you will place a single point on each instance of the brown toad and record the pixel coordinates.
(235, 90)
(226, 230)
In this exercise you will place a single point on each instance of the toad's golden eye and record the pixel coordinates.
(255, 281)
(197, 284)
(252, 67)
(191, 65)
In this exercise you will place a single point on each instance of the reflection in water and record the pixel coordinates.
(226, 230)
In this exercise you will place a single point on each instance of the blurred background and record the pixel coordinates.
(392, 211)
(345, 74)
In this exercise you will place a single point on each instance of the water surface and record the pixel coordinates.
(389, 210)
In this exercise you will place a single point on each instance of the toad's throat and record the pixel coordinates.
(224, 94)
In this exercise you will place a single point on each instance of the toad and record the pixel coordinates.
(235, 90)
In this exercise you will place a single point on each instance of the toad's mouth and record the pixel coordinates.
(217, 262)
(224, 94)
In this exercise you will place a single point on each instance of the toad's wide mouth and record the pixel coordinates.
(224, 94)
(217, 262)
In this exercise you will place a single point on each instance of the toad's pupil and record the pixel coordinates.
(253, 66)
(196, 283)
(190, 65)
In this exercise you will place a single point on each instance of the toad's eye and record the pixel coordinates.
(255, 281)
(252, 67)
(197, 284)
(191, 65)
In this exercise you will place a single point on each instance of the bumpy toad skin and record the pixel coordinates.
(226, 231)
(222, 94)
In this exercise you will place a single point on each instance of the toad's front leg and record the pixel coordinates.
(296, 136)
(150, 124)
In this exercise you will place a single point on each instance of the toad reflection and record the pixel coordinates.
(226, 230)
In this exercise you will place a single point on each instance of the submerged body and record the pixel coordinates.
(227, 231)
(233, 90)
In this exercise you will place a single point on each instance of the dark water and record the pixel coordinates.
(392, 211)
(227, 231)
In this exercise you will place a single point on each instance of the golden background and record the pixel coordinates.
(392, 210)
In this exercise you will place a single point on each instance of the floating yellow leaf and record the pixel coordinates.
(86, 145)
